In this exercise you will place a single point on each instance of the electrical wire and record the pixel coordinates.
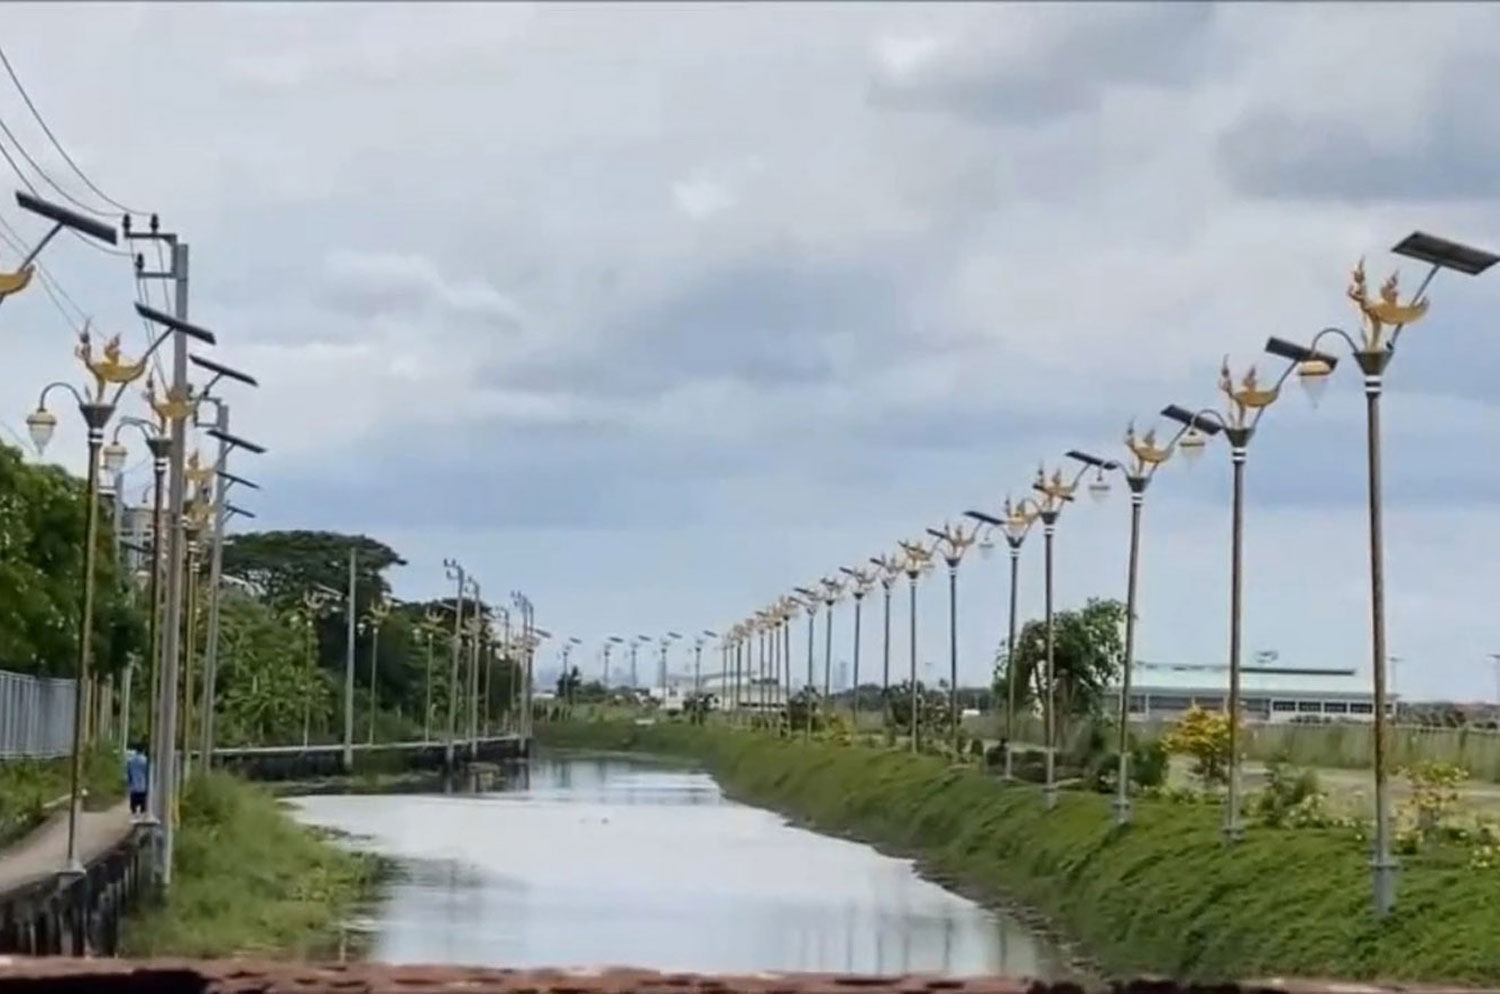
(26, 97)
(5, 129)
(91, 243)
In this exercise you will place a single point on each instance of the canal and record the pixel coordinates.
(583, 861)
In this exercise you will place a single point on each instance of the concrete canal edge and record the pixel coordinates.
(74, 976)
(1165, 896)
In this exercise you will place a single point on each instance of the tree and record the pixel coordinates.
(264, 684)
(1088, 654)
(41, 571)
(1203, 735)
(283, 565)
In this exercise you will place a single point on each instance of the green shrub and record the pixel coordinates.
(249, 880)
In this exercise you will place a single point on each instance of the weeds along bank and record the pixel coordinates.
(33, 789)
(249, 880)
(1164, 896)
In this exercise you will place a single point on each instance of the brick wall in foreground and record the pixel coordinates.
(65, 976)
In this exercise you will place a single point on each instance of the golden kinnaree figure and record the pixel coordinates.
(1249, 395)
(1144, 447)
(15, 282)
(110, 368)
(1383, 311)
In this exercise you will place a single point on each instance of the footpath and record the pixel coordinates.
(45, 851)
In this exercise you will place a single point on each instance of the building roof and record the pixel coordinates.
(1259, 678)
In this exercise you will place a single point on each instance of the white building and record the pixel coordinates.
(1269, 692)
(752, 694)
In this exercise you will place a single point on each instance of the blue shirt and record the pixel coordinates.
(137, 772)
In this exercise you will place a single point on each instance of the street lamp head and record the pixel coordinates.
(1099, 487)
(112, 457)
(41, 424)
(1313, 368)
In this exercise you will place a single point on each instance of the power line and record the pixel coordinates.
(5, 128)
(53, 138)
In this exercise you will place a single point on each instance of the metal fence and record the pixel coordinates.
(36, 716)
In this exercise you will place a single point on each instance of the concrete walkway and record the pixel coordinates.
(44, 852)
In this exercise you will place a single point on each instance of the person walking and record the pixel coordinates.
(137, 779)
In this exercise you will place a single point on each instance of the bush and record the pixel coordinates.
(1203, 735)
(249, 880)
(1287, 790)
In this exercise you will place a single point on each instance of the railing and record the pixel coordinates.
(36, 716)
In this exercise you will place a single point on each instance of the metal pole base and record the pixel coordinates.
(1122, 810)
(1383, 875)
(73, 870)
(1234, 831)
(1009, 773)
(1049, 796)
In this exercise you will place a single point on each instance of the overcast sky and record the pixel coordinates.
(657, 312)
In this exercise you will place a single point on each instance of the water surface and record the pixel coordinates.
(608, 861)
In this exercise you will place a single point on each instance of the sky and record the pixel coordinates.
(657, 312)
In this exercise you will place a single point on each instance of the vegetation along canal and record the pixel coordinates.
(589, 861)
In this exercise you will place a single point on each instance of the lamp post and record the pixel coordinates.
(917, 560)
(314, 605)
(456, 575)
(224, 480)
(1382, 320)
(1146, 456)
(609, 644)
(159, 446)
(861, 581)
(635, 644)
(1245, 403)
(1055, 495)
(567, 653)
(698, 644)
(736, 651)
(665, 643)
(183, 402)
(1015, 524)
(375, 616)
(888, 568)
(111, 374)
(832, 589)
(952, 543)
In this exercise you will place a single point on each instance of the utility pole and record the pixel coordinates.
(351, 616)
(222, 481)
(456, 573)
(180, 405)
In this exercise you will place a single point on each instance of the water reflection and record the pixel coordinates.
(600, 861)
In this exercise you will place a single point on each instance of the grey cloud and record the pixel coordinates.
(767, 322)
(373, 285)
(1451, 153)
(1148, 45)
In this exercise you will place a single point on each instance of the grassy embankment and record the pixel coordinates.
(251, 881)
(1164, 896)
(29, 786)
